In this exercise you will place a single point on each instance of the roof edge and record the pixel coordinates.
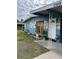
(52, 5)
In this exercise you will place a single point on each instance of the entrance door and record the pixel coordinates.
(40, 27)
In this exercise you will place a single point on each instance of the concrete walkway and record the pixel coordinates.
(49, 55)
(52, 46)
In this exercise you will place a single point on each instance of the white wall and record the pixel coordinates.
(52, 29)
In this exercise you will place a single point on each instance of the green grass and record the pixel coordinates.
(26, 47)
(21, 35)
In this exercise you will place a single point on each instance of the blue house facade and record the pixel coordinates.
(54, 12)
(50, 17)
(30, 24)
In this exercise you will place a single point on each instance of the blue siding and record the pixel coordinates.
(32, 30)
(31, 24)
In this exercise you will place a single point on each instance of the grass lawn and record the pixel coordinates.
(26, 47)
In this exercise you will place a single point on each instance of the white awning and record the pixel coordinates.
(57, 6)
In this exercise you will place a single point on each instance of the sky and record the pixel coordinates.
(25, 6)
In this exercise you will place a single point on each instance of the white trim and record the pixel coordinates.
(52, 5)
